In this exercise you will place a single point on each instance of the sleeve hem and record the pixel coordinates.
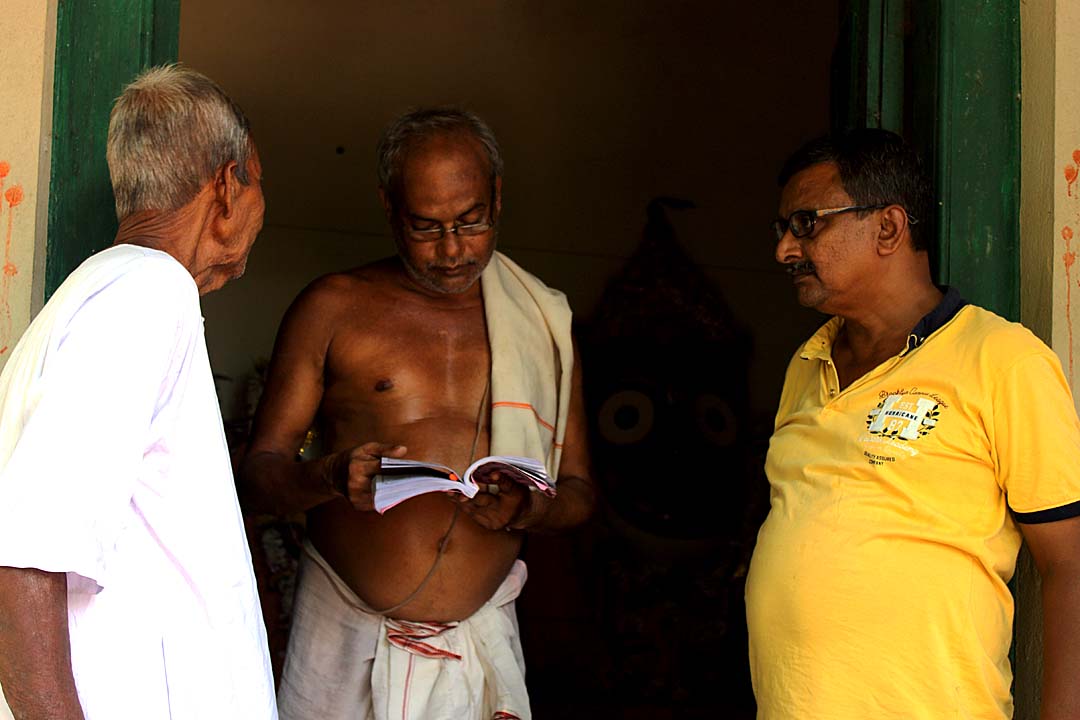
(1062, 512)
(82, 584)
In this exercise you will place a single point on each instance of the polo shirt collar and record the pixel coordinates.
(819, 346)
(951, 303)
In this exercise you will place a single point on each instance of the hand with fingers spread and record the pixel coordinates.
(352, 472)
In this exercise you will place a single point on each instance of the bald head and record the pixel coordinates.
(420, 132)
(437, 168)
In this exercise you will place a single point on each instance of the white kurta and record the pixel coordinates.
(114, 469)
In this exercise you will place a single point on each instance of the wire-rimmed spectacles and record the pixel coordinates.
(801, 222)
(439, 232)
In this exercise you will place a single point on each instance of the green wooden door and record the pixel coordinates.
(868, 67)
(978, 149)
(100, 46)
(946, 74)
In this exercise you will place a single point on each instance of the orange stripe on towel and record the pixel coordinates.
(525, 406)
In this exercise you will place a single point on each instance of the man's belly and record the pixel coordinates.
(385, 558)
(848, 618)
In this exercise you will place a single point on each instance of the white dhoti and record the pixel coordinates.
(347, 663)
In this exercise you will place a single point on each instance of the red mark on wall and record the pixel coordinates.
(1069, 258)
(1072, 170)
(1072, 176)
(13, 195)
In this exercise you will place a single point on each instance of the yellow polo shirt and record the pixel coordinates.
(877, 587)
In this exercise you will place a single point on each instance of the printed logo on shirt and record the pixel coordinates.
(902, 417)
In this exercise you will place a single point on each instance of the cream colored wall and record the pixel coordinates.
(599, 106)
(1050, 239)
(28, 32)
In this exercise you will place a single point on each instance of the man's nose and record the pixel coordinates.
(450, 246)
(788, 248)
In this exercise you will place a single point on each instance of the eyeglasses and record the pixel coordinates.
(438, 233)
(802, 222)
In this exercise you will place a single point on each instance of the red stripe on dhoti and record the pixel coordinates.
(410, 636)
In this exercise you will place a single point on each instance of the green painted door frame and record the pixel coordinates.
(946, 74)
(868, 70)
(978, 141)
(100, 46)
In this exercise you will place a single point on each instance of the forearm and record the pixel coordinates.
(1061, 646)
(35, 651)
(273, 484)
(573, 505)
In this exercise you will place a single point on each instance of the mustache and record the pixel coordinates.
(455, 266)
(802, 266)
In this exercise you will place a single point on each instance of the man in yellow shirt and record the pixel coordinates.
(918, 439)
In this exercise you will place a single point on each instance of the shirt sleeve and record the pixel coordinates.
(1037, 440)
(65, 493)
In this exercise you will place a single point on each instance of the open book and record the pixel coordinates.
(402, 479)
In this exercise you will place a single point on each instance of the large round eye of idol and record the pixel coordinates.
(715, 420)
(626, 417)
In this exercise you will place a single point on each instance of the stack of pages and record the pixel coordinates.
(400, 480)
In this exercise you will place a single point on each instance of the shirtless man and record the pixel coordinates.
(392, 359)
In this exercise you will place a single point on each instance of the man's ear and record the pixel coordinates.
(497, 200)
(226, 187)
(387, 205)
(893, 230)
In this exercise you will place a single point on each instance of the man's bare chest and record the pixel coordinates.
(434, 359)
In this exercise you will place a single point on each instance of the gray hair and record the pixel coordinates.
(423, 123)
(170, 130)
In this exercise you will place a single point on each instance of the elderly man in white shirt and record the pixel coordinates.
(126, 587)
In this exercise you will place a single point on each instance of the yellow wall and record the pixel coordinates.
(599, 106)
(27, 42)
(27, 45)
(1050, 240)
(1064, 167)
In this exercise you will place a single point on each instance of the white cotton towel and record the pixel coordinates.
(532, 358)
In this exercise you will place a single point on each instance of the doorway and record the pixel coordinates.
(601, 108)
